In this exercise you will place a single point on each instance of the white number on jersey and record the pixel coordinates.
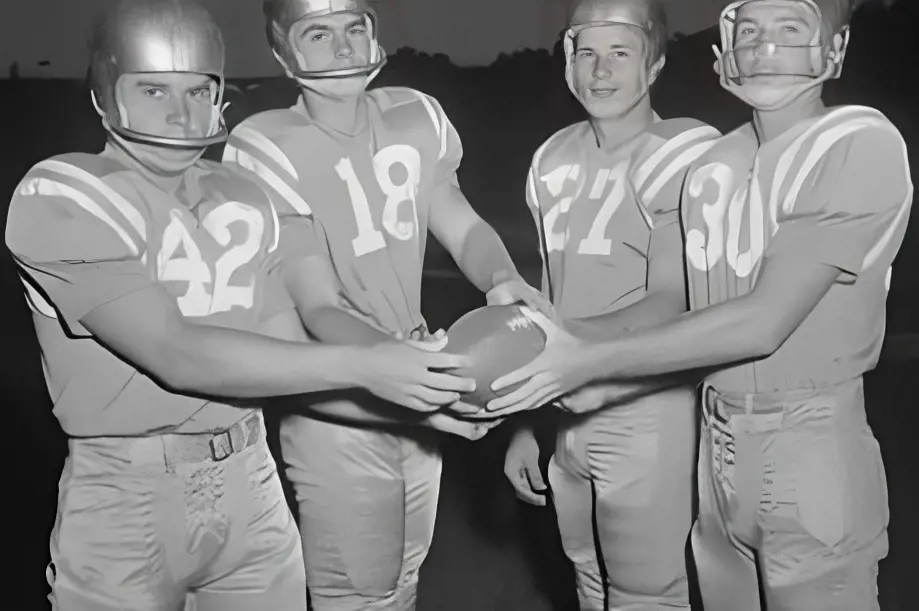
(596, 242)
(705, 249)
(192, 268)
(555, 183)
(369, 238)
(217, 223)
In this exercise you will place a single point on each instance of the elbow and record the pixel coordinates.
(764, 344)
(319, 322)
(175, 377)
(767, 337)
(172, 367)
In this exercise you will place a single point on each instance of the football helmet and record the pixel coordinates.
(643, 14)
(822, 59)
(281, 15)
(150, 36)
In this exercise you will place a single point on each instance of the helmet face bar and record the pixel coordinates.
(150, 37)
(281, 15)
(763, 52)
(781, 38)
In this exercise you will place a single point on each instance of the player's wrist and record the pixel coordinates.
(523, 432)
(345, 367)
(600, 360)
(504, 276)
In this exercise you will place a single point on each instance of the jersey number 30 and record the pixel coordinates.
(704, 249)
(369, 238)
(193, 269)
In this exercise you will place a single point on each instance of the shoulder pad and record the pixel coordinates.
(273, 123)
(670, 147)
(81, 178)
(840, 123)
(93, 164)
(817, 142)
(263, 145)
(73, 194)
(810, 145)
(671, 128)
(389, 97)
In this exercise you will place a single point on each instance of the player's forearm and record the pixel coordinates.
(483, 258)
(223, 362)
(364, 410)
(631, 390)
(355, 407)
(332, 325)
(653, 309)
(722, 335)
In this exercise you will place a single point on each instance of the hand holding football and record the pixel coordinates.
(500, 339)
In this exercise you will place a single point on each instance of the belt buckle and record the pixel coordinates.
(221, 446)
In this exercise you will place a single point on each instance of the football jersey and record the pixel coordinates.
(595, 210)
(370, 193)
(86, 230)
(834, 190)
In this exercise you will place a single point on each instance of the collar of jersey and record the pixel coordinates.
(300, 109)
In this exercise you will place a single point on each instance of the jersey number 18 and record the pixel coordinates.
(369, 238)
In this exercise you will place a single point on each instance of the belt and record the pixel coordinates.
(214, 447)
(725, 403)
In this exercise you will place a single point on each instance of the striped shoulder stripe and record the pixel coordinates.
(252, 150)
(58, 178)
(788, 157)
(438, 118)
(261, 144)
(821, 137)
(681, 142)
(683, 159)
(276, 233)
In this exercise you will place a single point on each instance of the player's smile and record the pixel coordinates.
(603, 92)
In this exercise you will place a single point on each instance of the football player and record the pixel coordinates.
(792, 222)
(605, 195)
(147, 271)
(376, 170)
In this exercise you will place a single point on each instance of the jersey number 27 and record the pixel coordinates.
(595, 242)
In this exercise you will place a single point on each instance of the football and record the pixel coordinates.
(500, 339)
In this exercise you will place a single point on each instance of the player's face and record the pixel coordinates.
(776, 41)
(611, 71)
(334, 42)
(168, 105)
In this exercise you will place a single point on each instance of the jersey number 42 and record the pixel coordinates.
(193, 269)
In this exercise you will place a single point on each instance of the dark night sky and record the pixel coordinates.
(471, 32)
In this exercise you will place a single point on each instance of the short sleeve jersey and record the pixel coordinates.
(596, 210)
(86, 230)
(833, 190)
(371, 193)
